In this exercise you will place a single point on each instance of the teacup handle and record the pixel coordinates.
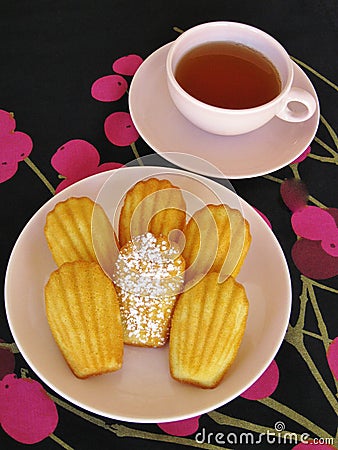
(293, 114)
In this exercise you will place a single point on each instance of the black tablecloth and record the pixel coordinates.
(51, 54)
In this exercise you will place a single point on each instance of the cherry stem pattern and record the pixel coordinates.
(42, 177)
(136, 153)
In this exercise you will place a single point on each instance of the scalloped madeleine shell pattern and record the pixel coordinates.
(153, 205)
(206, 330)
(68, 231)
(83, 314)
(217, 240)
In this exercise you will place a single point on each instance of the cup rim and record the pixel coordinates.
(206, 106)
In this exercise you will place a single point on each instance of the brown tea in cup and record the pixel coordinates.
(228, 75)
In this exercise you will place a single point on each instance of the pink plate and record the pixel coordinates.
(143, 390)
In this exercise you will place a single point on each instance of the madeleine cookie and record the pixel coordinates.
(71, 228)
(84, 317)
(153, 205)
(148, 276)
(217, 240)
(207, 328)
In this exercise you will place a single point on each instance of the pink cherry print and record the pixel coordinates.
(302, 156)
(312, 261)
(313, 223)
(27, 414)
(7, 170)
(263, 216)
(312, 446)
(329, 242)
(7, 122)
(78, 159)
(265, 385)
(332, 357)
(127, 65)
(108, 166)
(109, 88)
(334, 214)
(75, 157)
(7, 362)
(120, 130)
(14, 147)
(181, 427)
(294, 194)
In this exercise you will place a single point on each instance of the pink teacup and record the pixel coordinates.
(292, 104)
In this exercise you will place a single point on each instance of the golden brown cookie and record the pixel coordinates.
(72, 227)
(84, 317)
(217, 240)
(152, 205)
(206, 330)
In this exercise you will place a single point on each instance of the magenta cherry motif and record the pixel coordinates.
(316, 224)
(15, 146)
(120, 130)
(263, 216)
(302, 156)
(118, 126)
(78, 159)
(315, 253)
(7, 122)
(184, 427)
(332, 357)
(109, 88)
(312, 445)
(265, 385)
(27, 414)
(127, 65)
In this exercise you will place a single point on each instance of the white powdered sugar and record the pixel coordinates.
(149, 266)
(148, 275)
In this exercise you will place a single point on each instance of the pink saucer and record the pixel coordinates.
(172, 136)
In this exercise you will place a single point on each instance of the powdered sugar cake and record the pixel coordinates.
(149, 274)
